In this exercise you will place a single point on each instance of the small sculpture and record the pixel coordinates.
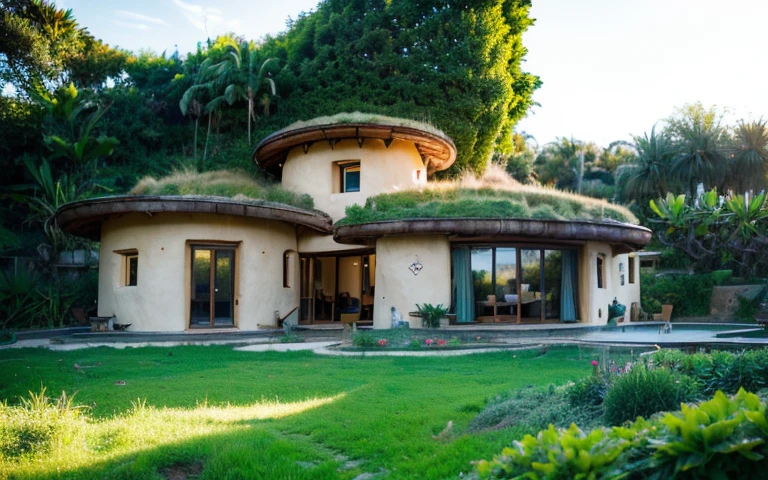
(397, 320)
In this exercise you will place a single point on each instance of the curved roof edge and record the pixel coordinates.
(633, 237)
(438, 150)
(84, 217)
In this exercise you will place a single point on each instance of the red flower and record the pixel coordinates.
(594, 363)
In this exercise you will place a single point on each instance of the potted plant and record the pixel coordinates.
(431, 314)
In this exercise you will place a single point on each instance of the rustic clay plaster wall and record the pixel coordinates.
(397, 286)
(595, 300)
(161, 299)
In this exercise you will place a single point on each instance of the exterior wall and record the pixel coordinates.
(595, 300)
(161, 299)
(382, 170)
(397, 286)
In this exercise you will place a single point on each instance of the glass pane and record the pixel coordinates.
(352, 179)
(553, 278)
(201, 287)
(506, 275)
(482, 279)
(530, 284)
(224, 291)
(133, 267)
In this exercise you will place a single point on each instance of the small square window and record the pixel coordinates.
(350, 177)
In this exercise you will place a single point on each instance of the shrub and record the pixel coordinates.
(431, 314)
(721, 438)
(643, 392)
(588, 391)
(364, 340)
(534, 409)
(719, 370)
(689, 294)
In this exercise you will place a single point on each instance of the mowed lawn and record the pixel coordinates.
(212, 412)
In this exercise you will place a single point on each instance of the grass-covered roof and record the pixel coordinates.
(233, 184)
(359, 117)
(495, 195)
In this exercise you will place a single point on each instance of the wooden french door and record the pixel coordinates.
(213, 286)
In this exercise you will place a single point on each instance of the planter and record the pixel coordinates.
(444, 322)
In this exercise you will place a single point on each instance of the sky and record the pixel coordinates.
(610, 68)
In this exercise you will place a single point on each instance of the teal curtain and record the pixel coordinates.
(463, 295)
(568, 286)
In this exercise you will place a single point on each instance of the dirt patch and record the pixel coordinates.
(182, 471)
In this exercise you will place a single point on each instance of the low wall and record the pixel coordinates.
(725, 299)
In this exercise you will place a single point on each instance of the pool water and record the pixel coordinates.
(681, 334)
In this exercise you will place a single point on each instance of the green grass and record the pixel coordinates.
(228, 414)
(359, 117)
(222, 183)
(495, 195)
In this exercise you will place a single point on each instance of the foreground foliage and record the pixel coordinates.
(721, 438)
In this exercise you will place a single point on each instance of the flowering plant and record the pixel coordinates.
(440, 342)
(428, 342)
(383, 342)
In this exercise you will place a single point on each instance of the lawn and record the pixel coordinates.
(211, 412)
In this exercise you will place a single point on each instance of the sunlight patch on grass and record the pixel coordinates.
(63, 438)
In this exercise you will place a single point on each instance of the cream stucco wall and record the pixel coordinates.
(161, 299)
(382, 170)
(595, 300)
(397, 286)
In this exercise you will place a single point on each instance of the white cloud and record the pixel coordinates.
(141, 18)
(207, 19)
(135, 26)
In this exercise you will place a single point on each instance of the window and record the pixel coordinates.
(600, 270)
(350, 177)
(631, 271)
(287, 269)
(130, 267)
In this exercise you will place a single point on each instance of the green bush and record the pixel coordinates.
(534, 409)
(431, 314)
(588, 391)
(364, 340)
(719, 370)
(721, 438)
(689, 294)
(643, 392)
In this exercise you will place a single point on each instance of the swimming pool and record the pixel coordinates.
(682, 334)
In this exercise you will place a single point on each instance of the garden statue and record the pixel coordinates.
(615, 312)
(397, 320)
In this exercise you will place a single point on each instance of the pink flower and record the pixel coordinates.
(429, 341)
(594, 363)
(441, 342)
(383, 342)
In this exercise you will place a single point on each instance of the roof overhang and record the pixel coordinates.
(622, 236)
(438, 152)
(84, 218)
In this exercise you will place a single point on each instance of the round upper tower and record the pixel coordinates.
(344, 159)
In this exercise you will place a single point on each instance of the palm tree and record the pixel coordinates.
(699, 139)
(190, 102)
(229, 73)
(648, 176)
(749, 159)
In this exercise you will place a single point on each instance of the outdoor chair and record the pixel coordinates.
(666, 313)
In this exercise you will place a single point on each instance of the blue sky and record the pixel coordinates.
(610, 68)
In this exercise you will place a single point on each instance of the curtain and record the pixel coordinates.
(463, 295)
(568, 286)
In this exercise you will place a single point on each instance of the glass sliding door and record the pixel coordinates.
(505, 274)
(530, 284)
(481, 260)
(553, 279)
(213, 286)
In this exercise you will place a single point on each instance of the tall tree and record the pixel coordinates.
(453, 64)
(647, 177)
(749, 157)
(699, 138)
